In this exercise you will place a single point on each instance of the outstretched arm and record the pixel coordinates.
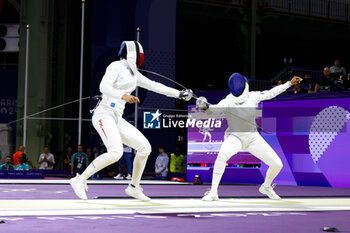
(148, 84)
(203, 104)
(272, 93)
(218, 108)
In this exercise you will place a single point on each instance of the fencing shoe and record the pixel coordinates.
(210, 196)
(128, 177)
(119, 177)
(136, 192)
(268, 191)
(79, 186)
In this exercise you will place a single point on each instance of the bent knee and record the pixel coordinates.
(223, 156)
(277, 165)
(115, 153)
(145, 149)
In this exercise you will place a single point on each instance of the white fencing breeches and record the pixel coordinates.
(252, 143)
(263, 151)
(114, 132)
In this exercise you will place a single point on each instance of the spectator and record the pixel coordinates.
(8, 164)
(18, 154)
(338, 74)
(88, 153)
(126, 158)
(177, 162)
(339, 83)
(46, 159)
(297, 89)
(67, 162)
(22, 165)
(162, 162)
(279, 82)
(338, 70)
(111, 170)
(310, 82)
(79, 161)
(325, 83)
(96, 153)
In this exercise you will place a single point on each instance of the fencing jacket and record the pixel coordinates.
(120, 79)
(241, 115)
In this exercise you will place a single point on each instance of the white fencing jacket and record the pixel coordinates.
(241, 116)
(119, 79)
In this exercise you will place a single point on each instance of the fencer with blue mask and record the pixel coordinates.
(239, 109)
(119, 81)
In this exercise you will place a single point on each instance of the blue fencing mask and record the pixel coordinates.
(237, 83)
(238, 86)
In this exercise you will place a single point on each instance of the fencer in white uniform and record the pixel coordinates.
(119, 81)
(239, 108)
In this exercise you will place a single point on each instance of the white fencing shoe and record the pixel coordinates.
(210, 196)
(268, 191)
(119, 177)
(136, 192)
(79, 186)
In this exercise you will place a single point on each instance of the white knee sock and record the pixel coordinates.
(137, 171)
(218, 171)
(98, 164)
(270, 176)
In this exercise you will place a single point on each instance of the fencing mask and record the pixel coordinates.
(132, 52)
(238, 86)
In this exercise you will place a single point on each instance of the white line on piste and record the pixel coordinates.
(165, 206)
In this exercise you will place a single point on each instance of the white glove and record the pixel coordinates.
(186, 94)
(202, 103)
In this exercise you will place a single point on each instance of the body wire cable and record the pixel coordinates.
(96, 97)
(55, 107)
